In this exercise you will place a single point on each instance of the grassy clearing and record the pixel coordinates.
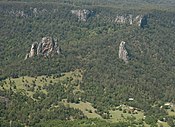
(74, 79)
(29, 85)
(171, 113)
(164, 124)
(85, 107)
(119, 115)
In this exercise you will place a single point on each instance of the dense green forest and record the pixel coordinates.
(91, 47)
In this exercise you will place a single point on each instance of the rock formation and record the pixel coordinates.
(25, 13)
(120, 19)
(48, 46)
(33, 49)
(123, 54)
(35, 11)
(143, 21)
(140, 20)
(130, 20)
(82, 15)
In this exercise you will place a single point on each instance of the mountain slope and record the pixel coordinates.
(92, 47)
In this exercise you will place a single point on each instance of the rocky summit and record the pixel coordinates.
(47, 47)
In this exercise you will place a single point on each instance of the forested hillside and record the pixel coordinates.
(35, 90)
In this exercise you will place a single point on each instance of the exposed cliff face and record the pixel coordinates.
(143, 21)
(82, 15)
(123, 54)
(130, 19)
(47, 47)
(121, 19)
(28, 12)
(33, 49)
(140, 20)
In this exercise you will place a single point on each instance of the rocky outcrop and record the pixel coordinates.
(130, 19)
(35, 11)
(47, 47)
(82, 15)
(28, 12)
(17, 13)
(123, 54)
(33, 49)
(143, 21)
(140, 20)
(121, 19)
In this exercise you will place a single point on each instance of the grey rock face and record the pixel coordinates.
(82, 15)
(143, 21)
(33, 49)
(130, 19)
(27, 56)
(123, 54)
(121, 19)
(48, 46)
(17, 13)
(25, 13)
(139, 20)
(35, 11)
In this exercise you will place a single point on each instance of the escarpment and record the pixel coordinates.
(139, 20)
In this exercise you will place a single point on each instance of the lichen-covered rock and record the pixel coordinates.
(47, 47)
(123, 54)
(82, 15)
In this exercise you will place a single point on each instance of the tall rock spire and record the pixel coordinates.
(123, 54)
